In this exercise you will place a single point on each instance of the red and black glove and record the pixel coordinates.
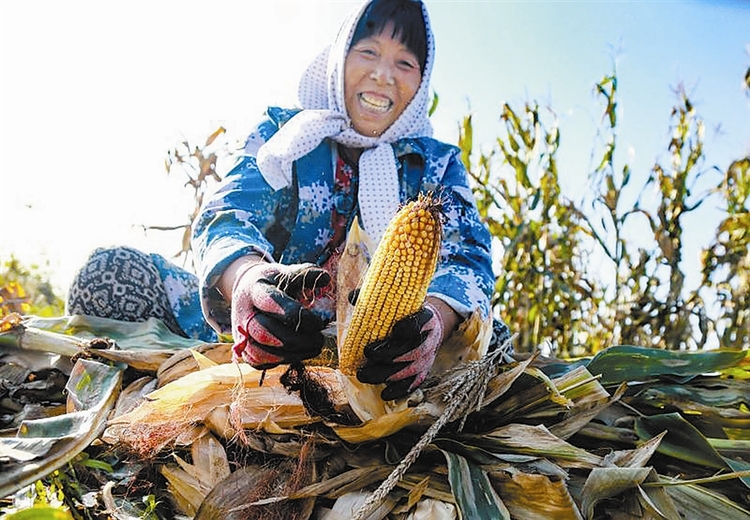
(403, 359)
(271, 319)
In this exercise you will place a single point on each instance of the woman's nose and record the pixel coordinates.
(383, 74)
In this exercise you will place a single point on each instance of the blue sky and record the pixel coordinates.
(93, 94)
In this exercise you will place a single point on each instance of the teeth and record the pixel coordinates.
(376, 103)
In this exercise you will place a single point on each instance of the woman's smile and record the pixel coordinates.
(375, 102)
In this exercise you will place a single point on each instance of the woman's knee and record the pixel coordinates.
(121, 283)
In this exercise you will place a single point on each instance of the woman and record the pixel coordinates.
(359, 146)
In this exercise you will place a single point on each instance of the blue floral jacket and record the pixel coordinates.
(294, 224)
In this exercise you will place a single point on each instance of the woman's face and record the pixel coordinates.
(381, 77)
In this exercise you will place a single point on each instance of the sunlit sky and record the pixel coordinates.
(94, 93)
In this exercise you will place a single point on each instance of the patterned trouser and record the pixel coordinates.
(123, 284)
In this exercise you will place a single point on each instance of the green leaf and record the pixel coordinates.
(95, 464)
(466, 141)
(475, 496)
(146, 335)
(40, 513)
(721, 393)
(44, 445)
(737, 466)
(630, 363)
(682, 441)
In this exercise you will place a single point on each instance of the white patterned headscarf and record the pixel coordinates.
(321, 96)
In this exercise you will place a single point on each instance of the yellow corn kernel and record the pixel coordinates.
(396, 282)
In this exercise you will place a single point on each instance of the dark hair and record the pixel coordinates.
(408, 24)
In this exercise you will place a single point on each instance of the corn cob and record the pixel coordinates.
(396, 281)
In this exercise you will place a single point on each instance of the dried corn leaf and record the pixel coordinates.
(191, 483)
(554, 395)
(716, 407)
(640, 502)
(656, 500)
(416, 493)
(637, 458)
(184, 362)
(469, 342)
(384, 425)
(431, 509)
(187, 492)
(243, 495)
(528, 495)
(353, 479)
(210, 464)
(347, 505)
(698, 503)
(536, 441)
(133, 394)
(502, 382)
(605, 483)
(535, 397)
(502, 461)
(585, 409)
(733, 448)
(438, 487)
(605, 434)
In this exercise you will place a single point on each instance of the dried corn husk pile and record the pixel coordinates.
(151, 418)
(631, 433)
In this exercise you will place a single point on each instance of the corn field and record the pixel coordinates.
(543, 288)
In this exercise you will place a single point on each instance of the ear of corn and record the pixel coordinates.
(396, 282)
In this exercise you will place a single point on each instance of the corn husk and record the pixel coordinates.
(193, 398)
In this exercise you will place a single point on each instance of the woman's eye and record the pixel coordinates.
(367, 52)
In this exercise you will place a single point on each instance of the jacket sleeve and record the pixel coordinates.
(464, 278)
(238, 218)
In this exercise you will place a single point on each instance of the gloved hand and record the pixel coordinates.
(403, 359)
(271, 319)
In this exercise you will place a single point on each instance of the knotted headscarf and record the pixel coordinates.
(321, 96)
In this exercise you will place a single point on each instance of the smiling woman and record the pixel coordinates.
(269, 239)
